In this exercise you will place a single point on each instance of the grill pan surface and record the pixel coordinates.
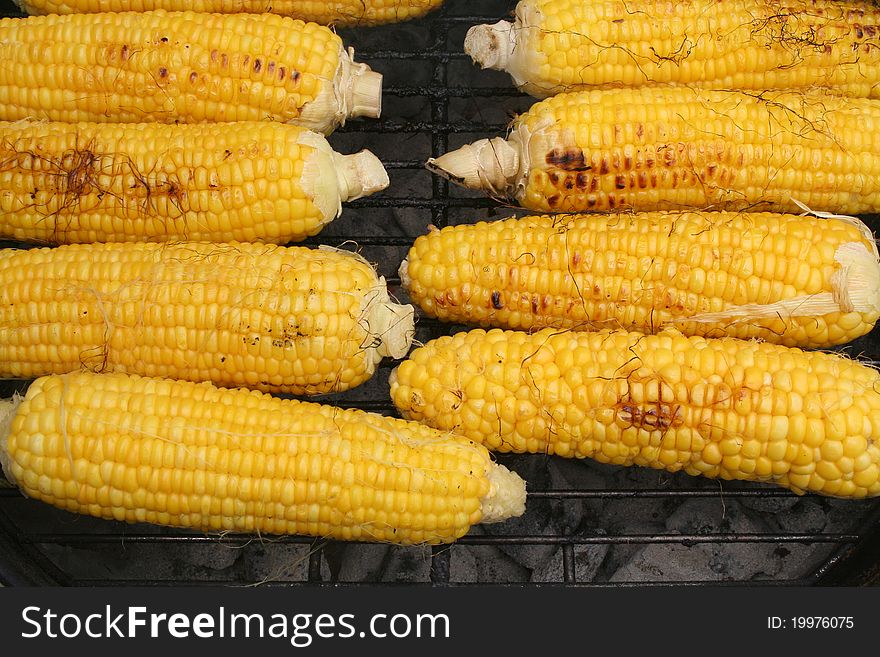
(585, 524)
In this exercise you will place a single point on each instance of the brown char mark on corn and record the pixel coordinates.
(77, 172)
(659, 416)
(569, 159)
(631, 168)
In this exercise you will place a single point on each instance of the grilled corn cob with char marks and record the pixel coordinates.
(102, 182)
(556, 46)
(334, 12)
(192, 455)
(678, 148)
(724, 407)
(798, 281)
(281, 319)
(181, 67)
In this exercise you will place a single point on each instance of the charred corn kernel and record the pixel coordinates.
(554, 46)
(174, 67)
(754, 445)
(339, 12)
(103, 182)
(274, 465)
(668, 148)
(281, 319)
(635, 271)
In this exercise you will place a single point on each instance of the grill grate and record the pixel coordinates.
(586, 523)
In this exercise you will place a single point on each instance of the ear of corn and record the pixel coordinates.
(187, 67)
(556, 46)
(192, 455)
(292, 319)
(725, 408)
(109, 182)
(678, 148)
(335, 12)
(799, 281)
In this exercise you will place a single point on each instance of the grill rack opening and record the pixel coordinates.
(586, 524)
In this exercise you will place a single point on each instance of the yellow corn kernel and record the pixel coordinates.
(669, 148)
(117, 182)
(721, 441)
(174, 67)
(283, 319)
(275, 465)
(339, 12)
(554, 46)
(632, 271)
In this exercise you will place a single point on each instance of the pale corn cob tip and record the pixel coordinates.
(506, 497)
(392, 324)
(8, 409)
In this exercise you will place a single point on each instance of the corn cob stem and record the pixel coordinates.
(359, 175)
(799, 281)
(493, 165)
(667, 148)
(495, 47)
(556, 46)
(281, 319)
(723, 407)
(356, 92)
(195, 456)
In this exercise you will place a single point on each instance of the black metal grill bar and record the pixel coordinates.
(409, 55)
(569, 572)
(420, 203)
(366, 240)
(470, 539)
(395, 127)
(314, 570)
(403, 164)
(441, 128)
(614, 493)
(453, 92)
(181, 581)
